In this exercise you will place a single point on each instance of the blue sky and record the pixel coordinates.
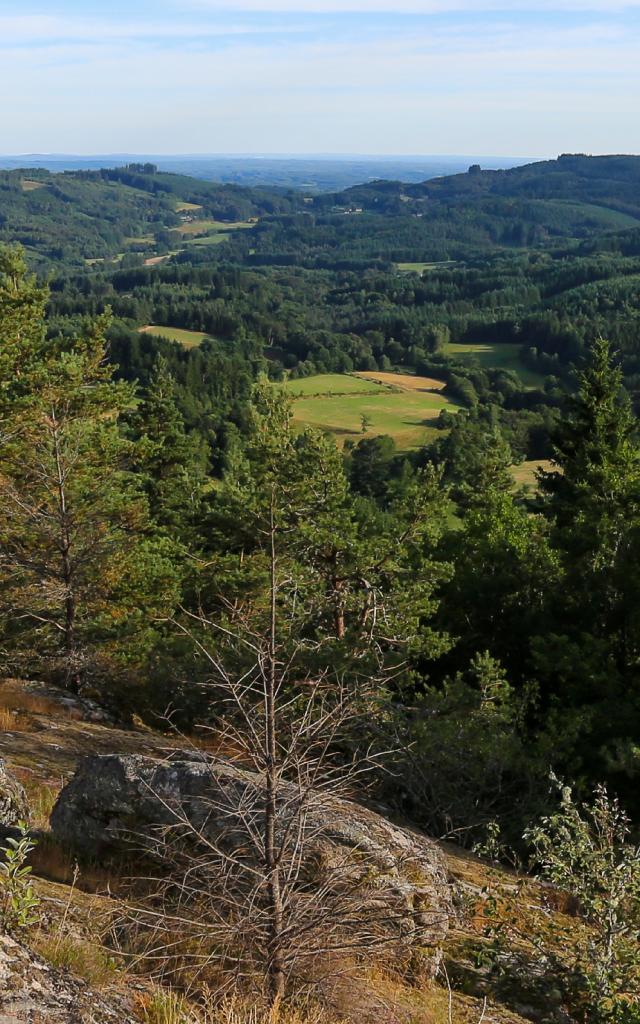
(500, 77)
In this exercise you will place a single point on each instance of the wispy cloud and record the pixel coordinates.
(414, 6)
(495, 76)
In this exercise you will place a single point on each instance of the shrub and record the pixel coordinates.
(19, 902)
(585, 850)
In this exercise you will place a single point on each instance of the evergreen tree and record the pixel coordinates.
(173, 462)
(356, 585)
(504, 568)
(593, 500)
(79, 570)
(589, 655)
(22, 339)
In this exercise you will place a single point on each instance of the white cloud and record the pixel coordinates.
(413, 6)
(449, 87)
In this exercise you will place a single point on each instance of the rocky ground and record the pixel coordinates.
(491, 966)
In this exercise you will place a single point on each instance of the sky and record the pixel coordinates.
(500, 77)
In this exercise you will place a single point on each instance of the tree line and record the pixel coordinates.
(503, 630)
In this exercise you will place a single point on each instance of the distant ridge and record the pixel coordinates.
(316, 173)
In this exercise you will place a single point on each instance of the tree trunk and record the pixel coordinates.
(72, 672)
(276, 974)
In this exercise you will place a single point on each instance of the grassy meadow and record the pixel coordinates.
(525, 473)
(495, 356)
(188, 339)
(420, 268)
(393, 404)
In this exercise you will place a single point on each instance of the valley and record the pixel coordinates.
(319, 624)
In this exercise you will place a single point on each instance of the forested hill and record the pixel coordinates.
(80, 216)
(609, 181)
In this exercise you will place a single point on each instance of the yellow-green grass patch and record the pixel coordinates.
(338, 404)
(525, 473)
(202, 227)
(187, 207)
(331, 385)
(494, 356)
(29, 185)
(188, 339)
(420, 268)
(215, 239)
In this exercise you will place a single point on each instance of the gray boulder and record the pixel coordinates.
(13, 799)
(114, 802)
(32, 991)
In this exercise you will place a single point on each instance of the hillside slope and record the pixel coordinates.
(491, 962)
(81, 216)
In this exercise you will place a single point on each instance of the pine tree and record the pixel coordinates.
(593, 499)
(589, 656)
(358, 584)
(22, 339)
(173, 462)
(79, 570)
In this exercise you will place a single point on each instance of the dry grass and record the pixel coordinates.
(41, 797)
(404, 381)
(54, 861)
(166, 1007)
(16, 698)
(13, 721)
(80, 957)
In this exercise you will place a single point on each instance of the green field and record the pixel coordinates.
(495, 356)
(336, 403)
(188, 339)
(419, 268)
(329, 385)
(208, 239)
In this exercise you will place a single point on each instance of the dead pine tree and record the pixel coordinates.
(270, 874)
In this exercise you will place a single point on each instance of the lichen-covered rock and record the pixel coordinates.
(13, 799)
(32, 992)
(113, 800)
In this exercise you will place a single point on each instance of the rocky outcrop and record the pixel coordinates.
(13, 799)
(113, 801)
(32, 991)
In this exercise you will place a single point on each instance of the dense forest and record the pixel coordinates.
(163, 515)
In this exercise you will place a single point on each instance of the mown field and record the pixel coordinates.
(188, 339)
(420, 268)
(495, 356)
(393, 404)
(525, 473)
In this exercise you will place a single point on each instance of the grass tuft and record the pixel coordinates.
(78, 956)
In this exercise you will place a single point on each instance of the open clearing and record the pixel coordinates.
(420, 268)
(400, 406)
(188, 339)
(201, 227)
(524, 473)
(495, 356)
(29, 185)
(187, 207)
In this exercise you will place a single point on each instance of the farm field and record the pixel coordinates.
(29, 185)
(406, 381)
(327, 385)
(336, 403)
(188, 339)
(215, 239)
(419, 268)
(199, 227)
(495, 356)
(524, 473)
